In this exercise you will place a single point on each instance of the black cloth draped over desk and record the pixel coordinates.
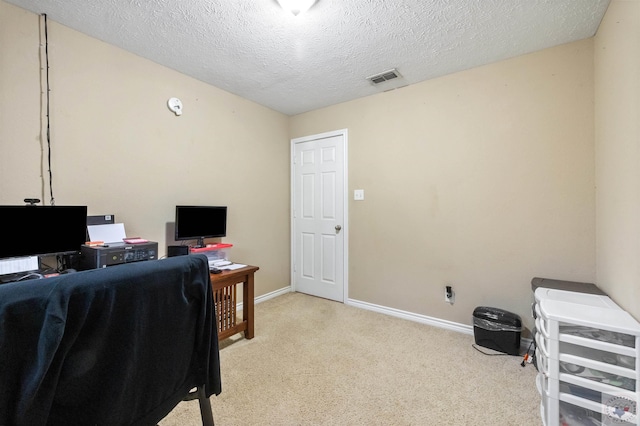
(115, 346)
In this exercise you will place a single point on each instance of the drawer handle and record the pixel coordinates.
(540, 343)
(542, 364)
(540, 325)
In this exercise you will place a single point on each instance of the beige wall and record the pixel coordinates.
(482, 180)
(617, 141)
(118, 149)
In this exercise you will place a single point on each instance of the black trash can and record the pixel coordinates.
(497, 329)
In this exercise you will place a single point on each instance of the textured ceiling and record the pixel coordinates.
(296, 64)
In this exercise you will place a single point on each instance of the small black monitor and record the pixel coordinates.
(42, 230)
(200, 222)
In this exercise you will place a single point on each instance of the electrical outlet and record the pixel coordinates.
(449, 295)
(358, 194)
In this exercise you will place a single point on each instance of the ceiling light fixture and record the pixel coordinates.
(296, 6)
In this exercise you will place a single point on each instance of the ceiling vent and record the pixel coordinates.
(384, 76)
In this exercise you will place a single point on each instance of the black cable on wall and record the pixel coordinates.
(46, 55)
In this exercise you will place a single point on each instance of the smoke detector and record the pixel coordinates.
(175, 105)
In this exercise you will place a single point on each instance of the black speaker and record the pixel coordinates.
(177, 251)
(69, 262)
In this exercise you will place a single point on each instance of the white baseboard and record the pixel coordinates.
(450, 325)
(267, 296)
(423, 319)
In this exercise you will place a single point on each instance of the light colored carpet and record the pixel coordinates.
(318, 362)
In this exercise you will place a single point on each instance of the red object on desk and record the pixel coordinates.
(210, 247)
(135, 240)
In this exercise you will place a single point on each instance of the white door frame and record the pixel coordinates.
(345, 190)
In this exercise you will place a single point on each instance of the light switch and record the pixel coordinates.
(358, 194)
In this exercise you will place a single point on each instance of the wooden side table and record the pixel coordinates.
(224, 286)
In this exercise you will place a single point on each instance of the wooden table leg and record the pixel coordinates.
(224, 289)
(247, 309)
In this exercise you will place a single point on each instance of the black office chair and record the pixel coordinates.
(116, 346)
(205, 406)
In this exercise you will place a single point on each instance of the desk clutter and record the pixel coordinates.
(224, 265)
(217, 255)
(212, 251)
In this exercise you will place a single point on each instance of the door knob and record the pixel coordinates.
(338, 228)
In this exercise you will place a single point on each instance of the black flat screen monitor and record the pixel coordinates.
(200, 222)
(42, 230)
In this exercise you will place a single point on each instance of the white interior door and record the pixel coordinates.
(319, 225)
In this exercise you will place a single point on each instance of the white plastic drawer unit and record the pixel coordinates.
(607, 367)
(580, 402)
(588, 357)
(587, 299)
(574, 414)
